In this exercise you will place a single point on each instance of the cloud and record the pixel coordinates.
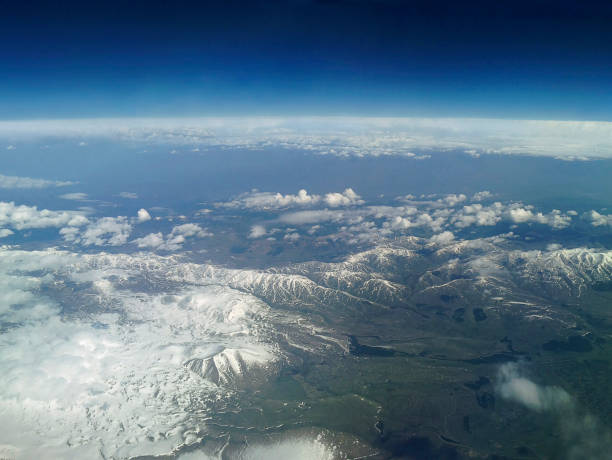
(443, 238)
(106, 231)
(152, 240)
(27, 217)
(129, 195)
(582, 435)
(4, 232)
(515, 387)
(421, 220)
(479, 215)
(554, 219)
(346, 198)
(189, 230)
(174, 240)
(257, 231)
(343, 136)
(311, 217)
(292, 236)
(274, 201)
(450, 200)
(598, 220)
(76, 196)
(271, 201)
(453, 200)
(143, 215)
(9, 182)
(481, 196)
(435, 215)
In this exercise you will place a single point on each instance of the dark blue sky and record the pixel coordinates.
(494, 59)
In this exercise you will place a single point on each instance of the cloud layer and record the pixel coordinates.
(11, 182)
(344, 136)
(273, 201)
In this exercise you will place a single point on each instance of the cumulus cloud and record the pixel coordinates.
(152, 240)
(598, 220)
(554, 219)
(434, 214)
(257, 231)
(452, 199)
(479, 215)
(481, 196)
(174, 240)
(143, 215)
(274, 201)
(20, 217)
(291, 236)
(442, 238)
(346, 198)
(270, 201)
(9, 182)
(106, 231)
(420, 220)
(4, 232)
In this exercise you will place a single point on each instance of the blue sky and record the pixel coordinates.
(545, 60)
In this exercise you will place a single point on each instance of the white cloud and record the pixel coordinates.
(143, 215)
(443, 238)
(271, 201)
(276, 201)
(293, 236)
(106, 231)
(311, 217)
(129, 195)
(190, 230)
(344, 136)
(26, 217)
(435, 214)
(598, 220)
(346, 198)
(9, 182)
(152, 240)
(581, 434)
(515, 387)
(174, 240)
(4, 232)
(479, 215)
(76, 196)
(481, 196)
(453, 200)
(257, 231)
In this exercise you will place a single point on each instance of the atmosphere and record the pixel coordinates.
(305, 230)
(525, 60)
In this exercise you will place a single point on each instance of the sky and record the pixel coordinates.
(527, 60)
